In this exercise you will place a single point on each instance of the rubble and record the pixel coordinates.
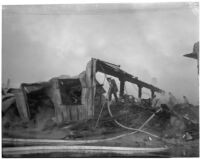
(72, 108)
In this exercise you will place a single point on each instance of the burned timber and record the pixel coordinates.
(72, 115)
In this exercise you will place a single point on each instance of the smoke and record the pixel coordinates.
(154, 81)
(41, 42)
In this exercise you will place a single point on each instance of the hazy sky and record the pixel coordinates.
(147, 40)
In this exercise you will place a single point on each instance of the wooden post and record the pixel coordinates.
(139, 91)
(122, 83)
(152, 93)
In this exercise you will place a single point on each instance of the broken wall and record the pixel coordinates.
(64, 112)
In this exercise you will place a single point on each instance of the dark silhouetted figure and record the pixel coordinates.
(112, 89)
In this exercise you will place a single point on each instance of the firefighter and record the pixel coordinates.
(112, 89)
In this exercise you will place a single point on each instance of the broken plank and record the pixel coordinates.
(22, 106)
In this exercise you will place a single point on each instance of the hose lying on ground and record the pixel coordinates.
(128, 128)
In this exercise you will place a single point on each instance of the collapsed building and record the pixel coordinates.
(70, 108)
(73, 98)
(67, 99)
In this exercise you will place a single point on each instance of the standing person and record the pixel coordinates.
(112, 89)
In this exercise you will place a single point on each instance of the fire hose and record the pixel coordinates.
(135, 130)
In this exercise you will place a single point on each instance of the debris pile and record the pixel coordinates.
(180, 122)
(76, 108)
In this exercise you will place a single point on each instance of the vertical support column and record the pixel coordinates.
(139, 91)
(122, 83)
(152, 93)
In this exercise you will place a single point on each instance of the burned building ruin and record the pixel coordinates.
(73, 98)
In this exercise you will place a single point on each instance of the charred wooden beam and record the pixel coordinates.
(122, 83)
(139, 91)
(143, 84)
(152, 93)
(115, 71)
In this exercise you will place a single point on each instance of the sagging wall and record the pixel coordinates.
(65, 113)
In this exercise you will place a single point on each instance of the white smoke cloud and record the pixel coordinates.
(149, 43)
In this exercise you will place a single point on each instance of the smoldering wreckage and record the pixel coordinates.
(72, 115)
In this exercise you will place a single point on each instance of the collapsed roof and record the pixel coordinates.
(114, 70)
(73, 98)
